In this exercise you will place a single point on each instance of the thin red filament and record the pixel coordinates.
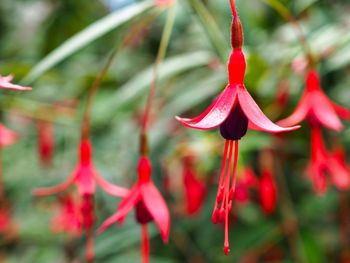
(226, 189)
(145, 247)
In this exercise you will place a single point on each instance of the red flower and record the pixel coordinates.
(46, 141)
(316, 107)
(68, 219)
(338, 169)
(267, 192)
(7, 137)
(246, 179)
(323, 162)
(319, 110)
(149, 204)
(5, 221)
(195, 189)
(233, 111)
(5, 83)
(85, 178)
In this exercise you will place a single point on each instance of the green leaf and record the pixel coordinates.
(140, 83)
(86, 36)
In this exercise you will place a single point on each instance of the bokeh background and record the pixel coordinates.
(304, 227)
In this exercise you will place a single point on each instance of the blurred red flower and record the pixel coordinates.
(46, 141)
(195, 189)
(246, 180)
(316, 107)
(85, 178)
(267, 192)
(148, 203)
(68, 218)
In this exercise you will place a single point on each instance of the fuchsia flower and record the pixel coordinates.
(195, 189)
(316, 107)
(323, 162)
(68, 218)
(149, 205)
(5, 220)
(234, 110)
(46, 142)
(318, 110)
(246, 180)
(5, 83)
(85, 178)
(267, 192)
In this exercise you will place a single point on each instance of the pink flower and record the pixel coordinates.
(5, 83)
(316, 107)
(85, 178)
(323, 162)
(234, 110)
(46, 142)
(246, 180)
(149, 204)
(195, 189)
(267, 192)
(68, 218)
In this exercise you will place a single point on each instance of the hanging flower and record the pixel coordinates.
(323, 162)
(68, 219)
(316, 107)
(234, 110)
(246, 180)
(85, 178)
(149, 204)
(5, 83)
(319, 111)
(195, 189)
(46, 142)
(267, 192)
(338, 169)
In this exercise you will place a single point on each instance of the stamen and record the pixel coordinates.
(235, 161)
(145, 247)
(90, 254)
(220, 192)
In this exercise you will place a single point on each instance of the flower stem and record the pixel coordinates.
(85, 132)
(290, 218)
(233, 8)
(164, 43)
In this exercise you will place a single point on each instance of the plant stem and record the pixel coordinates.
(85, 132)
(164, 43)
(290, 218)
